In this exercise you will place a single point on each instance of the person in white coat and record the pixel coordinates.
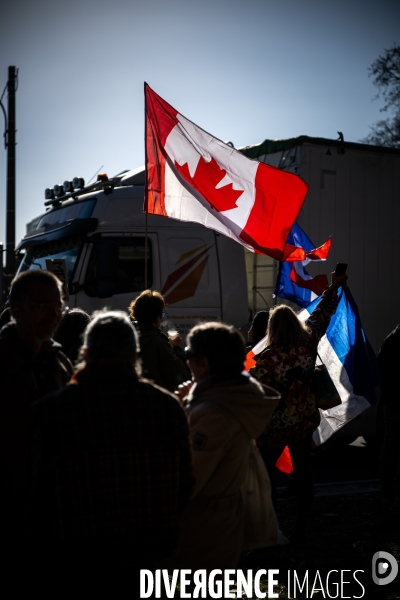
(227, 410)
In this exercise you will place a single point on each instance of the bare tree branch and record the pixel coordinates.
(386, 73)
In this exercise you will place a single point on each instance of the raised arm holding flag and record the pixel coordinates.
(345, 350)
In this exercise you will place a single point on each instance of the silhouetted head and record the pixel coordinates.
(258, 327)
(36, 305)
(70, 331)
(215, 349)
(285, 328)
(148, 308)
(110, 335)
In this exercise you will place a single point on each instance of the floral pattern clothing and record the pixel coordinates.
(289, 370)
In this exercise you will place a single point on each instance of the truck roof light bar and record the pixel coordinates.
(68, 186)
(58, 191)
(78, 183)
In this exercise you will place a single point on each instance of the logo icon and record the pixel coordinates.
(183, 282)
(384, 568)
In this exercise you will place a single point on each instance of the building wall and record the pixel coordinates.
(355, 198)
(261, 277)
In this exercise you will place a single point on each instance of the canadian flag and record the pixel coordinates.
(193, 176)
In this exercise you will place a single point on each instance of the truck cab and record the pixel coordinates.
(113, 251)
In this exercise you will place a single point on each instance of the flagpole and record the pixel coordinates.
(145, 256)
(146, 188)
(275, 277)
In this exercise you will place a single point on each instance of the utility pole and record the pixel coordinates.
(10, 143)
(10, 220)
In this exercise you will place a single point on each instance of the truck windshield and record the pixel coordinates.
(67, 248)
(70, 212)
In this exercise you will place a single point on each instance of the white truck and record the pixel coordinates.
(100, 231)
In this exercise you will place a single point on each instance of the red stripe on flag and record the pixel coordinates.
(154, 200)
(316, 285)
(320, 253)
(161, 114)
(279, 197)
(249, 361)
(160, 120)
(295, 253)
(284, 462)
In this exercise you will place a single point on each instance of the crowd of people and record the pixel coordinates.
(122, 450)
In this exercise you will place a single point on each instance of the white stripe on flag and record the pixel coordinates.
(352, 405)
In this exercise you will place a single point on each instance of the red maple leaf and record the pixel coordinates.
(206, 177)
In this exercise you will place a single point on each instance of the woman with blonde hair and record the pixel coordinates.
(287, 364)
(285, 327)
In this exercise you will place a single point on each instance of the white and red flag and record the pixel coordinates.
(193, 176)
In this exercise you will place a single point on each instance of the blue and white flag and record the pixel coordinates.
(293, 282)
(351, 363)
